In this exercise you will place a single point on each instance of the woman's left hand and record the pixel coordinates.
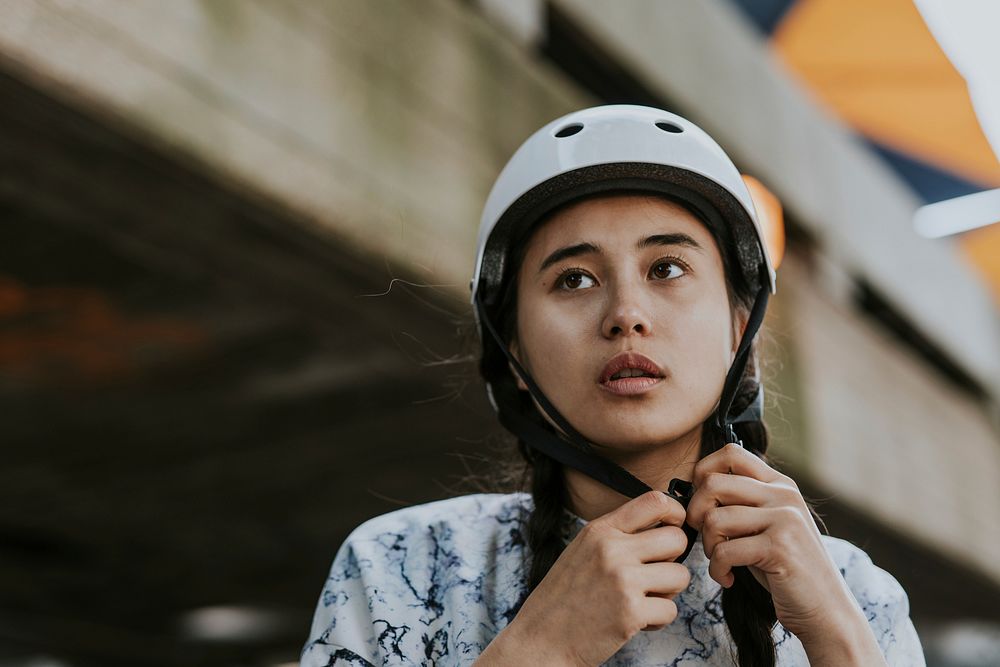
(750, 514)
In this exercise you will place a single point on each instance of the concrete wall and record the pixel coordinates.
(384, 121)
(879, 430)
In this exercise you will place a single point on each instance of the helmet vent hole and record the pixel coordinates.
(569, 130)
(669, 127)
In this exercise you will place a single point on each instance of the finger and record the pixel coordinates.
(735, 459)
(718, 489)
(658, 544)
(665, 579)
(657, 611)
(646, 511)
(740, 551)
(729, 523)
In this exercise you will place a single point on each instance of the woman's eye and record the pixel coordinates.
(663, 270)
(573, 280)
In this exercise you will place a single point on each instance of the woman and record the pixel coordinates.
(620, 280)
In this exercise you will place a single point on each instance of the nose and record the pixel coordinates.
(626, 315)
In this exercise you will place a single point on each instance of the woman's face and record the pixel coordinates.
(626, 273)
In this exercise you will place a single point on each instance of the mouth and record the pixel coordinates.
(630, 373)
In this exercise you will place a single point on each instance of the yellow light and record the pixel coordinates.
(771, 218)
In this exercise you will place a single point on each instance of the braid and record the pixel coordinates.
(545, 540)
(746, 606)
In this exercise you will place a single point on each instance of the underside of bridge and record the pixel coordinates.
(203, 394)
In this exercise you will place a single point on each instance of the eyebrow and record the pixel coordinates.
(677, 238)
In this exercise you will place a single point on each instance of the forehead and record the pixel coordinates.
(613, 219)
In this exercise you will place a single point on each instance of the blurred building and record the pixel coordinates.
(236, 249)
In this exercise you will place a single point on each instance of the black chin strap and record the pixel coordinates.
(735, 374)
(578, 453)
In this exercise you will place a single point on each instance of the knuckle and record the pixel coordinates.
(786, 480)
(790, 517)
(699, 469)
(712, 517)
(789, 492)
(599, 531)
(784, 538)
(656, 499)
(588, 533)
(671, 539)
(592, 529)
(626, 630)
(713, 480)
(631, 616)
(605, 557)
(783, 541)
(621, 580)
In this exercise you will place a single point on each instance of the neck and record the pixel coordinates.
(589, 499)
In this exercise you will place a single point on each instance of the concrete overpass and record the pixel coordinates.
(204, 396)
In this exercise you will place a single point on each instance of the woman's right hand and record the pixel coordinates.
(613, 580)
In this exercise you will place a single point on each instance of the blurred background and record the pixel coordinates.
(235, 250)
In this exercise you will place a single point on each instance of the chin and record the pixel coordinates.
(640, 436)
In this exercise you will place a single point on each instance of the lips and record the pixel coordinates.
(630, 360)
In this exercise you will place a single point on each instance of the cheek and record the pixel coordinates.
(554, 343)
(705, 340)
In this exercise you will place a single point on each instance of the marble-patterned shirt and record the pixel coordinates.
(435, 583)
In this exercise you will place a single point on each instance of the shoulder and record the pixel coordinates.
(466, 515)
(403, 582)
(471, 529)
(870, 584)
(882, 599)
(460, 510)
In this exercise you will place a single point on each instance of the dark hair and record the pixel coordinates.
(747, 606)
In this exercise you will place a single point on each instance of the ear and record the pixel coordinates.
(740, 322)
(516, 353)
